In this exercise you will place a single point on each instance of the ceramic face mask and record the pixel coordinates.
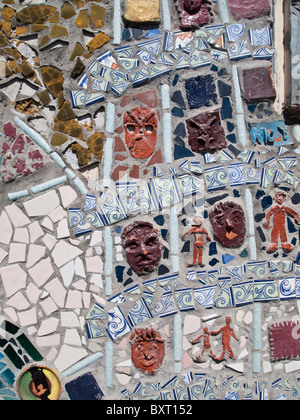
(194, 13)
(228, 222)
(147, 350)
(143, 247)
(205, 132)
(140, 132)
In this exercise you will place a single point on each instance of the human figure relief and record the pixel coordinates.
(279, 212)
(199, 234)
(227, 333)
(206, 344)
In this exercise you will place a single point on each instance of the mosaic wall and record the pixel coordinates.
(149, 242)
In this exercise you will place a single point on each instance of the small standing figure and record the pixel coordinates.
(279, 212)
(227, 333)
(199, 233)
(206, 344)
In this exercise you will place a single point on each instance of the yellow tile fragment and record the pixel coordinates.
(98, 41)
(77, 52)
(67, 11)
(7, 13)
(58, 31)
(97, 16)
(82, 20)
(35, 14)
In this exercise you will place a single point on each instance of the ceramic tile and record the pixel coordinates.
(261, 36)
(216, 178)
(235, 32)
(117, 325)
(139, 313)
(239, 50)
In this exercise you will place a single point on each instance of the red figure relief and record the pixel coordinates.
(227, 332)
(199, 234)
(140, 132)
(206, 344)
(147, 350)
(279, 212)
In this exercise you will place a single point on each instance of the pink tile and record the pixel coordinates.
(17, 253)
(6, 230)
(13, 278)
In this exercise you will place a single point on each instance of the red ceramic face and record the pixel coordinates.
(192, 6)
(140, 132)
(228, 222)
(143, 247)
(147, 350)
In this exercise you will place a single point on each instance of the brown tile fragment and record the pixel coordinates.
(119, 172)
(119, 145)
(78, 3)
(97, 16)
(58, 139)
(77, 69)
(58, 31)
(55, 18)
(3, 40)
(38, 27)
(98, 41)
(70, 127)
(148, 98)
(135, 172)
(26, 69)
(83, 20)
(96, 143)
(28, 106)
(65, 113)
(77, 52)
(53, 79)
(67, 11)
(7, 13)
(35, 14)
(44, 97)
(5, 71)
(44, 41)
(83, 155)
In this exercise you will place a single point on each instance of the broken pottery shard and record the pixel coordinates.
(83, 155)
(142, 11)
(97, 16)
(68, 356)
(53, 79)
(13, 279)
(258, 84)
(70, 127)
(95, 143)
(35, 14)
(248, 9)
(97, 42)
(64, 252)
(42, 205)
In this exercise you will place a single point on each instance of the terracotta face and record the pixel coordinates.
(147, 350)
(228, 222)
(143, 247)
(140, 132)
(205, 132)
(194, 13)
(192, 6)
